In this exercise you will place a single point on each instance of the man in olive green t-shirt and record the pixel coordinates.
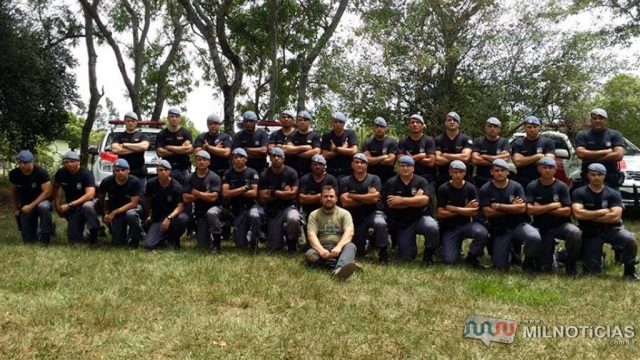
(329, 231)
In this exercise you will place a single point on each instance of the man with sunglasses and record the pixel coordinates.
(119, 197)
(303, 144)
(31, 190)
(131, 145)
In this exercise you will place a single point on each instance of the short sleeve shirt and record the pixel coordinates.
(447, 145)
(380, 148)
(118, 195)
(299, 164)
(350, 184)
(135, 160)
(178, 138)
(329, 227)
(340, 164)
(309, 186)
(541, 194)
(526, 147)
(484, 146)
(257, 139)
(272, 181)
(592, 140)
(209, 183)
(218, 164)
(237, 179)
(423, 145)
(489, 194)
(29, 186)
(450, 195)
(395, 186)
(163, 199)
(74, 185)
(606, 199)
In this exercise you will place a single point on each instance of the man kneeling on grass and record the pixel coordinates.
(329, 231)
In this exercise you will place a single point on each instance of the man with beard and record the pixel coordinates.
(216, 143)
(119, 196)
(330, 231)
(202, 189)
(381, 151)
(31, 190)
(79, 190)
(277, 191)
(173, 144)
(164, 209)
(253, 141)
(240, 192)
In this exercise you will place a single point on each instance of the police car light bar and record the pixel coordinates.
(150, 123)
(269, 123)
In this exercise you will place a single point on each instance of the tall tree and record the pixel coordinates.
(35, 82)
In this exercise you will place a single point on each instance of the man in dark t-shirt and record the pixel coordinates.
(164, 209)
(174, 144)
(420, 147)
(338, 146)
(457, 207)
(381, 151)
(488, 148)
(503, 204)
(79, 190)
(254, 141)
(119, 197)
(131, 145)
(216, 143)
(303, 144)
(451, 145)
(277, 191)
(598, 209)
(549, 203)
(31, 190)
(527, 151)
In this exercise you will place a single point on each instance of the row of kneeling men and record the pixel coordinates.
(502, 216)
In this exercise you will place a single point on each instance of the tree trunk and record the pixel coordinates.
(95, 96)
(275, 68)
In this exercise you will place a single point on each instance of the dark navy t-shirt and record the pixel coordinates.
(209, 183)
(178, 138)
(380, 148)
(541, 194)
(423, 145)
(341, 164)
(272, 181)
(237, 179)
(163, 199)
(526, 147)
(74, 185)
(29, 186)
(309, 186)
(489, 194)
(135, 160)
(607, 198)
(592, 140)
(447, 145)
(405, 217)
(302, 165)
(218, 164)
(484, 146)
(257, 139)
(450, 195)
(350, 184)
(118, 195)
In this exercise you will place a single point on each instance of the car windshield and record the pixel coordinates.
(150, 135)
(631, 149)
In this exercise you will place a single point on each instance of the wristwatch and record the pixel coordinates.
(170, 217)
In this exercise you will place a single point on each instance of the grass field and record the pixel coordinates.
(75, 302)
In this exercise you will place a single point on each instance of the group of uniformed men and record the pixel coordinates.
(387, 187)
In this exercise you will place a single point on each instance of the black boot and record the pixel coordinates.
(630, 272)
(174, 242)
(383, 256)
(570, 269)
(473, 262)
(93, 237)
(528, 265)
(215, 245)
(427, 258)
(292, 246)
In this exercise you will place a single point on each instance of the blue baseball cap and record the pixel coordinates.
(457, 165)
(547, 161)
(277, 152)
(380, 121)
(25, 156)
(361, 157)
(407, 160)
(454, 115)
(500, 163)
(339, 116)
(597, 167)
(250, 116)
(532, 120)
(121, 163)
(239, 152)
(319, 159)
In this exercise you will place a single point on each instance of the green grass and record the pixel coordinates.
(74, 302)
